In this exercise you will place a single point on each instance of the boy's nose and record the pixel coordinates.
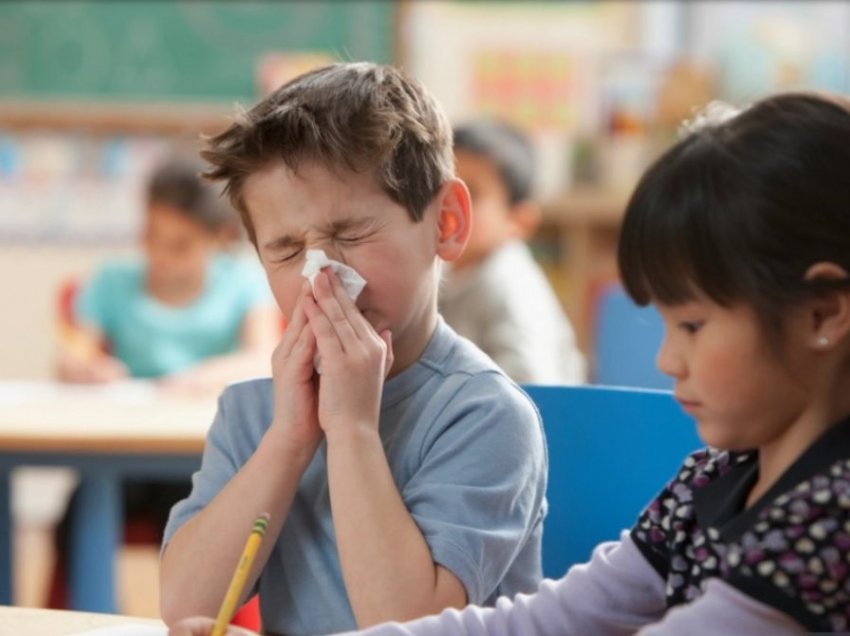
(330, 250)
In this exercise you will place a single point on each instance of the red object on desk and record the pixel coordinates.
(248, 615)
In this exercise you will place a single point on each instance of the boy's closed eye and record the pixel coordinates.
(352, 238)
(288, 255)
(283, 249)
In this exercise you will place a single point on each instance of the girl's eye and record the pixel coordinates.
(691, 327)
(350, 239)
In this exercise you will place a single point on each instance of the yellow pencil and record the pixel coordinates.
(237, 583)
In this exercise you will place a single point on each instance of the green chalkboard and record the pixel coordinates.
(159, 49)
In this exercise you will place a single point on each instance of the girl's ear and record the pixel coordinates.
(828, 313)
(454, 219)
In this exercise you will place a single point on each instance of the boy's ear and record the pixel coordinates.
(526, 217)
(828, 313)
(454, 219)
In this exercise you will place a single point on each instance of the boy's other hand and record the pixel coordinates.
(296, 401)
(203, 626)
(355, 358)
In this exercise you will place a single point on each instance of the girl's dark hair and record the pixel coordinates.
(507, 148)
(177, 183)
(740, 210)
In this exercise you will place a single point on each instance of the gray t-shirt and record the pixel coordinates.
(506, 306)
(466, 450)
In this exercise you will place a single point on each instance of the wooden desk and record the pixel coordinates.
(108, 434)
(27, 621)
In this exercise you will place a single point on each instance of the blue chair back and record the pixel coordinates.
(626, 338)
(611, 450)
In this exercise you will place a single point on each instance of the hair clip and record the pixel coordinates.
(714, 114)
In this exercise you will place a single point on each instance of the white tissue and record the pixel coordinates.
(316, 260)
(352, 282)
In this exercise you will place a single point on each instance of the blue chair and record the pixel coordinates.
(626, 339)
(611, 450)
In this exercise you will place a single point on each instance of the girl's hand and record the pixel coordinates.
(101, 369)
(355, 359)
(295, 390)
(203, 626)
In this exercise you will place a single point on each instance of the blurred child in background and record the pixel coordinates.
(496, 294)
(187, 313)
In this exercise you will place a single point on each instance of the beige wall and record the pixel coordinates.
(29, 279)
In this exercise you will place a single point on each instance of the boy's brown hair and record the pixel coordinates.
(359, 117)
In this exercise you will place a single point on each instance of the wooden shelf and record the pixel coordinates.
(600, 208)
(122, 117)
(586, 223)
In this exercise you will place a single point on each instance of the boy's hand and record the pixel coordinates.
(203, 626)
(295, 402)
(355, 359)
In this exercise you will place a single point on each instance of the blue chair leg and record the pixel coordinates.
(7, 570)
(94, 538)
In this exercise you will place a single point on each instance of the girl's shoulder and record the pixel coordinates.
(794, 556)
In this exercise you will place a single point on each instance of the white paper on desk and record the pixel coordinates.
(126, 630)
(123, 392)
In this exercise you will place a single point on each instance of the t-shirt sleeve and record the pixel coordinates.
(614, 594)
(723, 610)
(479, 492)
(794, 558)
(218, 466)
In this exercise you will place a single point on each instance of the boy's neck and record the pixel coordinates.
(412, 346)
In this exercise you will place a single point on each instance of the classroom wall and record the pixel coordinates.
(30, 277)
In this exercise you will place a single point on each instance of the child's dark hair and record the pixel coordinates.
(177, 183)
(740, 210)
(507, 148)
(359, 117)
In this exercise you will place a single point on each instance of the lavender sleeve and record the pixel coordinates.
(724, 610)
(615, 593)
